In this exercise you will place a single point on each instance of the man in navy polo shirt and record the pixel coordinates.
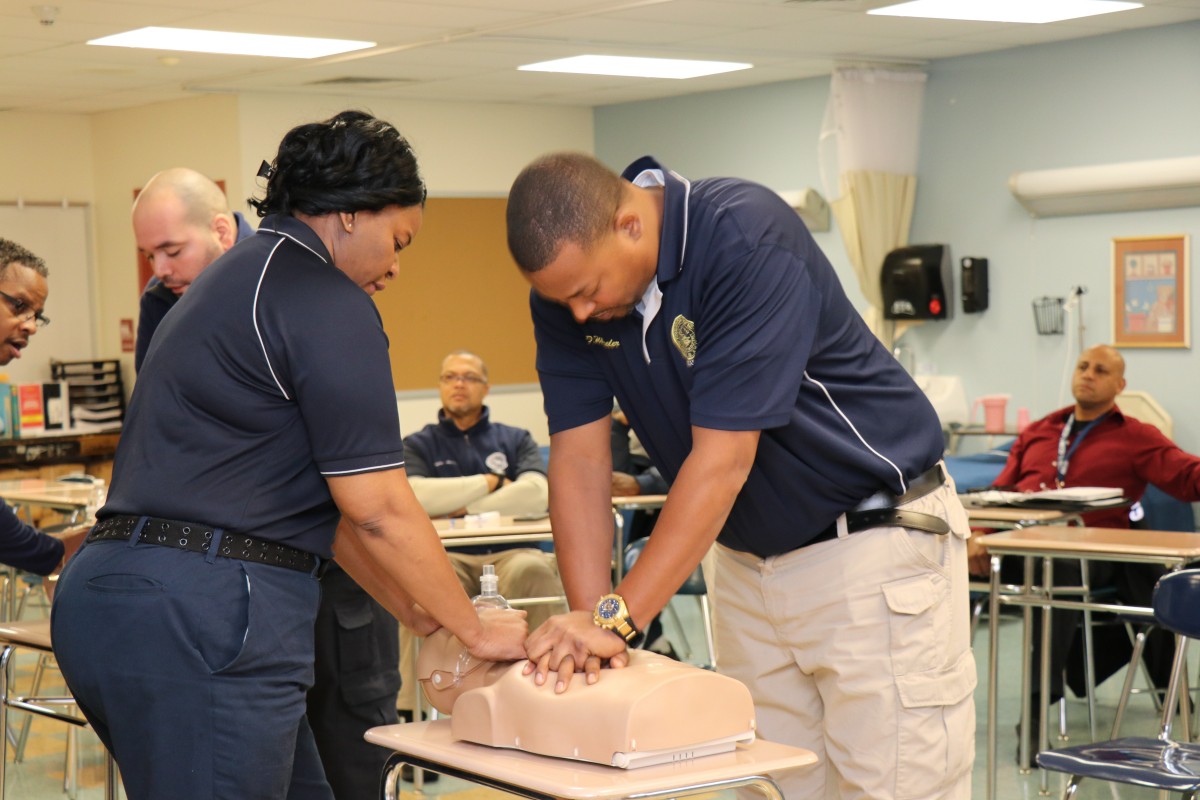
(182, 223)
(789, 436)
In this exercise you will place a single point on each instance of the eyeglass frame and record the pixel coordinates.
(17, 306)
(450, 377)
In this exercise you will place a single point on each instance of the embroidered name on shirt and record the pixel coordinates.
(600, 341)
(683, 335)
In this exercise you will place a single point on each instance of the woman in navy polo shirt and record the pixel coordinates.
(263, 414)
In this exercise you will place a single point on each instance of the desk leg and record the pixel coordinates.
(5, 684)
(993, 659)
(1089, 652)
(1044, 682)
(111, 776)
(1026, 670)
(389, 780)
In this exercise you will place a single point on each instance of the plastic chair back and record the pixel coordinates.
(1177, 602)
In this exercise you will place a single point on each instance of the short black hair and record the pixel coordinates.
(13, 253)
(560, 198)
(350, 162)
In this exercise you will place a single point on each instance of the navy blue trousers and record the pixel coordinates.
(192, 670)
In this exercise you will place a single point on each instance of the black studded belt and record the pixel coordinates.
(199, 539)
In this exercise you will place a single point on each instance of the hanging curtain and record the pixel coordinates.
(869, 141)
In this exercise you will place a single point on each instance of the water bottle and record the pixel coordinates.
(489, 594)
(489, 597)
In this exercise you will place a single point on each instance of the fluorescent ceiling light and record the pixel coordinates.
(630, 67)
(1004, 10)
(235, 44)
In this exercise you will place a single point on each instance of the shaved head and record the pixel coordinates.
(182, 223)
(1099, 377)
(200, 198)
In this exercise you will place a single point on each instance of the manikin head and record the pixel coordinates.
(445, 670)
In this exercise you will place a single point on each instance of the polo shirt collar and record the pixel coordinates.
(672, 243)
(450, 429)
(289, 227)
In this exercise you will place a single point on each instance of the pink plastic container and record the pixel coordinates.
(994, 412)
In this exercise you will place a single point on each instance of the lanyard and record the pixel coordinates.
(1064, 454)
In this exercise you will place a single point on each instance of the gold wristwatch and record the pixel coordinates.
(611, 614)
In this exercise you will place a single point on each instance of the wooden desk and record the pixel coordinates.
(428, 745)
(1172, 549)
(68, 497)
(1007, 517)
(457, 533)
(639, 502)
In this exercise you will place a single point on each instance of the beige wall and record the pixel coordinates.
(465, 150)
(47, 157)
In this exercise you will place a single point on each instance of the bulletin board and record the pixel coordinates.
(458, 289)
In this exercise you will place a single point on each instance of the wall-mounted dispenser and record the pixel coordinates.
(916, 282)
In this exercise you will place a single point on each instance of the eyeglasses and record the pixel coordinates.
(450, 377)
(20, 310)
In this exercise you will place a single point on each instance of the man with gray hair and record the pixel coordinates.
(182, 223)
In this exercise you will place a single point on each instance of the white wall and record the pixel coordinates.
(1120, 97)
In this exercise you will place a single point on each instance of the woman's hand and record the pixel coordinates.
(503, 638)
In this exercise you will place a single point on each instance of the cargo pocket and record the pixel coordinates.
(936, 717)
(362, 675)
(936, 747)
(912, 623)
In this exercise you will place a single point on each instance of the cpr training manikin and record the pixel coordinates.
(654, 710)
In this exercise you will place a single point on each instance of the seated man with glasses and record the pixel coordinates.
(468, 464)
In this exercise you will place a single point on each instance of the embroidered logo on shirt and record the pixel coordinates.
(497, 462)
(600, 341)
(683, 334)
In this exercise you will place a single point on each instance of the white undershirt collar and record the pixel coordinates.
(652, 299)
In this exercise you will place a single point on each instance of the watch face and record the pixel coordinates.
(608, 608)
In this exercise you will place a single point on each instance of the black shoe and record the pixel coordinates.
(406, 774)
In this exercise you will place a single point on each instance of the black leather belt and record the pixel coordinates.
(199, 538)
(880, 509)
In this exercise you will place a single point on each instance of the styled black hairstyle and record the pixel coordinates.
(350, 162)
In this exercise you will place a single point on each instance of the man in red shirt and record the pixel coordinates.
(1093, 444)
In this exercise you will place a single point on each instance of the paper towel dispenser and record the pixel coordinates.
(916, 282)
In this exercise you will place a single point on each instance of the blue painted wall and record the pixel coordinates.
(1120, 97)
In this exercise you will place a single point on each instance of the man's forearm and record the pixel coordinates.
(697, 506)
(528, 494)
(581, 511)
(442, 496)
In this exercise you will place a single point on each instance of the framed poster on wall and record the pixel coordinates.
(1150, 292)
